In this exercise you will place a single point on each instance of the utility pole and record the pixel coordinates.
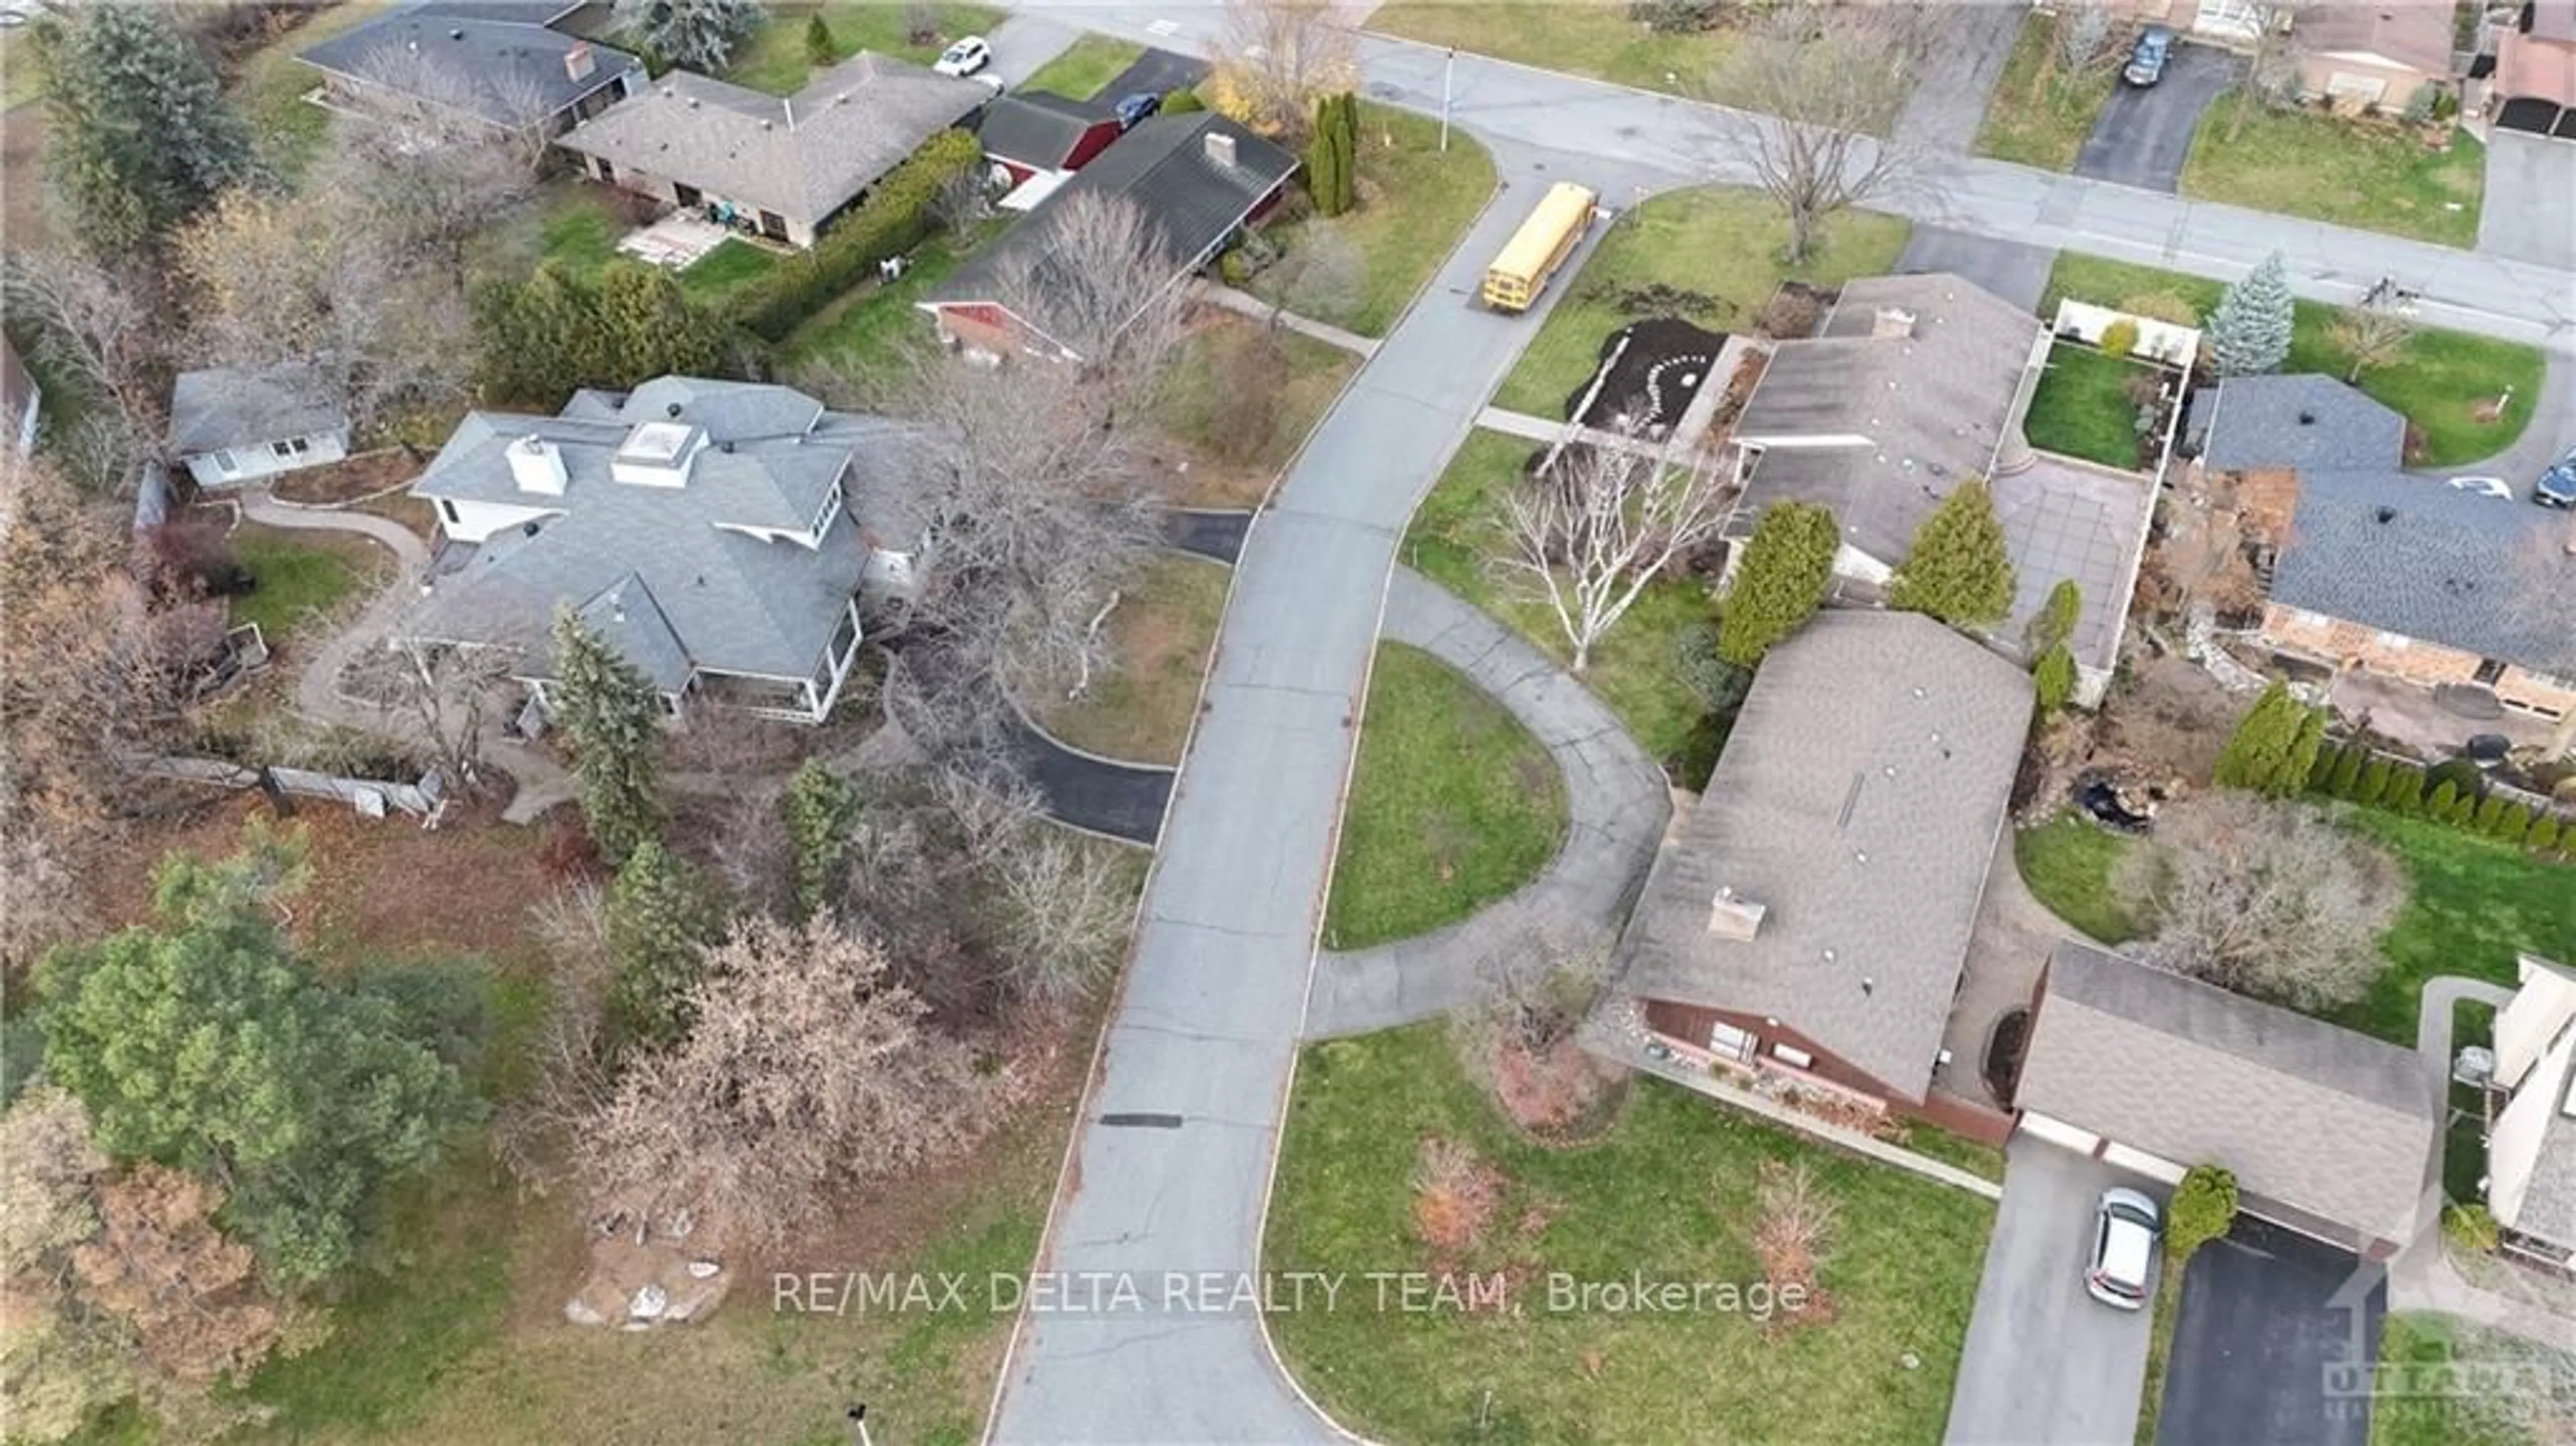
(1448, 70)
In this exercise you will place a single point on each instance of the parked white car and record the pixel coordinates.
(965, 57)
(2495, 487)
(2126, 1228)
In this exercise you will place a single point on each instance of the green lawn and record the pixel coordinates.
(1086, 66)
(1415, 201)
(2040, 123)
(300, 574)
(718, 273)
(2438, 384)
(577, 225)
(2067, 864)
(2082, 407)
(1456, 537)
(1666, 1191)
(1240, 398)
(1720, 242)
(1580, 37)
(271, 85)
(2308, 163)
(774, 58)
(873, 326)
(2413, 1407)
(2476, 905)
(1140, 708)
(1452, 805)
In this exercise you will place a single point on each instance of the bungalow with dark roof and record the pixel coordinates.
(2328, 1132)
(716, 533)
(2391, 573)
(1038, 139)
(784, 165)
(498, 64)
(1808, 925)
(1196, 179)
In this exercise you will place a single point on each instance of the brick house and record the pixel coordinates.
(1808, 925)
(1196, 178)
(2371, 53)
(2390, 573)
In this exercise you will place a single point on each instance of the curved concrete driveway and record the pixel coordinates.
(1616, 807)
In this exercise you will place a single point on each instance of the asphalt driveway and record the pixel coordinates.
(2530, 214)
(2045, 1362)
(2268, 1321)
(2144, 133)
(1156, 72)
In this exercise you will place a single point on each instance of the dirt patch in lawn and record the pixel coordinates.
(1649, 373)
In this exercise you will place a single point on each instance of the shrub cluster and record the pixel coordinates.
(897, 216)
(2454, 794)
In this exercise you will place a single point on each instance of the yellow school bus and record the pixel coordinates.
(1539, 247)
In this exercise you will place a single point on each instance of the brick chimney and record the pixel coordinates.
(579, 62)
(1220, 148)
(1733, 917)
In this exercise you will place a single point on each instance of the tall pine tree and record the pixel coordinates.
(613, 720)
(2250, 330)
(2274, 747)
(660, 918)
(138, 135)
(1781, 581)
(1959, 569)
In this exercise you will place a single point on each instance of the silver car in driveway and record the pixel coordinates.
(2126, 1227)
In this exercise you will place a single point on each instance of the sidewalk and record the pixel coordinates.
(1246, 304)
(1616, 804)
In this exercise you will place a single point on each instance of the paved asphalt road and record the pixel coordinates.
(2267, 1320)
(2045, 1363)
(2144, 133)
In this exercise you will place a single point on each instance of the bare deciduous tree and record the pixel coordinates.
(806, 1070)
(2081, 42)
(1066, 910)
(424, 192)
(1821, 85)
(1591, 531)
(1276, 58)
(438, 695)
(2271, 74)
(1793, 1233)
(2372, 334)
(106, 328)
(2267, 898)
(426, 101)
(1105, 288)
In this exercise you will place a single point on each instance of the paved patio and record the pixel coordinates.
(2413, 716)
(674, 241)
(2069, 519)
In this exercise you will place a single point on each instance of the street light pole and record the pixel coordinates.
(858, 1414)
(1448, 69)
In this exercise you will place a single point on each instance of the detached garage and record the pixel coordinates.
(2328, 1132)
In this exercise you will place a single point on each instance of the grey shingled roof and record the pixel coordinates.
(1037, 127)
(498, 60)
(1858, 801)
(803, 157)
(2323, 1120)
(219, 407)
(2301, 421)
(2410, 556)
(1191, 200)
(692, 593)
(1934, 406)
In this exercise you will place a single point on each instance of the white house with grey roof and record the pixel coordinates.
(2531, 1150)
(1810, 923)
(784, 165)
(232, 426)
(717, 533)
(2328, 1132)
(495, 63)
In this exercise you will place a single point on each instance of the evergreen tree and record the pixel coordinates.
(818, 41)
(2346, 782)
(2545, 833)
(138, 135)
(1780, 582)
(539, 339)
(2373, 792)
(204, 1042)
(647, 328)
(660, 918)
(2202, 1209)
(2054, 623)
(2446, 795)
(2488, 818)
(2306, 743)
(613, 720)
(692, 34)
(2053, 677)
(820, 805)
(2405, 791)
(2250, 330)
(2274, 746)
(2329, 758)
(2513, 825)
(2463, 809)
(1959, 569)
(1332, 155)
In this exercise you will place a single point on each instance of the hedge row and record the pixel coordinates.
(2453, 793)
(898, 215)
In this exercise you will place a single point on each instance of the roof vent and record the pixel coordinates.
(1731, 916)
(1890, 321)
(2307, 419)
(458, 34)
(672, 410)
(1220, 148)
(2385, 515)
(1868, 985)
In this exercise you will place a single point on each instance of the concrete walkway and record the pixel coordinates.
(1540, 429)
(1616, 806)
(1246, 304)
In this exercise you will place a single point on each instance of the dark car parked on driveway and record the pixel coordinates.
(2557, 486)
(1134, 110)
(2147, 58)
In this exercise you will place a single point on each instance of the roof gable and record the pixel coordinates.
(2300, 420)
(499, 61)
(218, 407)
(1037, 128)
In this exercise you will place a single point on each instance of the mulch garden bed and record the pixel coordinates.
(364, 475)
(1655, 368)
